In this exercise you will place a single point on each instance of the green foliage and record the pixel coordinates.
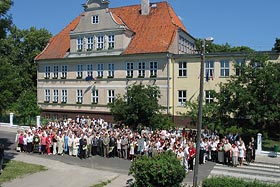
(138, 106)
(5, 18)
(216, 48)
(234, 182)
(159, 171)
(276, 45)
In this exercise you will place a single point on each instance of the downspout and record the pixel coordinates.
(168, 83)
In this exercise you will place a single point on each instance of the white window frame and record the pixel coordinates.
(239, 63)
(208, 96)
(55, 71)
(183, 69)
(111, 41)
(110, 96)
(79, 71)
(79, 96)
(64, 96)
(94, 96)
(47, 95)
(95, 19)
(129, 69)
(90, 43)
(153, 69)
(100, 42)
(141, 69)
(80, 44)
(182, 97)
(209, 68)
(111, 70)
(224, 68)
(64, 69)
(55, 96)
(89, 70)
(100, 70)
(47, 72)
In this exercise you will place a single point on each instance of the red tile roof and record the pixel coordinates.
(154, 33)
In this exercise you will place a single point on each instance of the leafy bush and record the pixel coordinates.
(234, 182)
(159, 171)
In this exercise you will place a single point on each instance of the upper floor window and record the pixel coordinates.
(63, 71)
(153, 69)
(79, 71)
(89, 70)
(182, 97)
(90, 43)
(141, 69)
(209, 69)
(224, 68)
(95, 19)
(129, 69)
(94, 96)
(47, 72)
(100, 70)
(111, 42)
(111, 96)
(111, 69)
(238, 66)
(64, 96)
(47, 95)
(79, 96)
(100, 42)
(55, 71)
(79, 44)
(209, 96)
(55, 96)
(182, 69)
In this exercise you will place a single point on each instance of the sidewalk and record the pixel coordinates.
(60, 174)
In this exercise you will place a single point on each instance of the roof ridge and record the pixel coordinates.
(172, 17)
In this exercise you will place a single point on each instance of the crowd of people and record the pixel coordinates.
(85, 137)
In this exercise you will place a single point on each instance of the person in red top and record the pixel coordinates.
(192, 152)
(49, 143)
(43, 143)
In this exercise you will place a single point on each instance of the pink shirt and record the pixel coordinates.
(43, 140)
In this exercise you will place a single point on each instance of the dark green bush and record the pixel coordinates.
(159, 171)
(234, 182)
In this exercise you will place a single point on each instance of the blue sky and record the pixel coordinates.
(253, 23)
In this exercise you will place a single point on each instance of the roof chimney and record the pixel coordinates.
(145, 7)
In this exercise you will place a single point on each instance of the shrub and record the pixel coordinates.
(234, 182)
(159, 171)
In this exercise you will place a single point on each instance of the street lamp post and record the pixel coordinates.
(199, 125)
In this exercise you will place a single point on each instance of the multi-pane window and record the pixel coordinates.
(111, 42)
(209, 96)
(238, 66)
(129, 69)
(55, 71)
(224, 68)
(182, 69)
(79, 71)
(111, 69)
(79, 44)
(100, 70)
(111, 96)
(55, 96)
(94, 96)
(209, 69)
(100, 42)
(47, 95)
(182, 97)
(64, 71)
(90, 43)
(141, 69)
(47, 72)
(64, 96)
(95, 19)
(89, 70)
(79, 96)
(153, 69)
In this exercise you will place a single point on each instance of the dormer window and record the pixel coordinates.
(95, 19)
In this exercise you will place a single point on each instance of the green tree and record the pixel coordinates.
(159, 171)
(139, 106)
(276, 45)
(5, 18)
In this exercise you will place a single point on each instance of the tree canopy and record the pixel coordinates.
(5, 18)
(276, 45)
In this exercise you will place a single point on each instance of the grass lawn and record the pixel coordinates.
(14, 169)
(268, 144)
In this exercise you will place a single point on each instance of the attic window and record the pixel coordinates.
(95, 19)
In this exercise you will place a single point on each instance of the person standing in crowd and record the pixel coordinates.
(242, 152)
(83, 147)
(2, 148)
(119, 147)
(29, 142)
(76, 144)
(124, 143)
(234, 155)
(202, 149)
(60, 144)
(249, 153)
(192, 153)
(254, 149)
(185, 159)
(106, 141)
(227, 148)
(43, 143)
(36, 143)
(112, 145)
(89, 145)
(70, 144)
(20, 142)
(94, 144)
(100, 145)
(54, 141)
(66, 145)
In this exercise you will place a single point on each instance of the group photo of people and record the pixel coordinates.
(85, 137)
